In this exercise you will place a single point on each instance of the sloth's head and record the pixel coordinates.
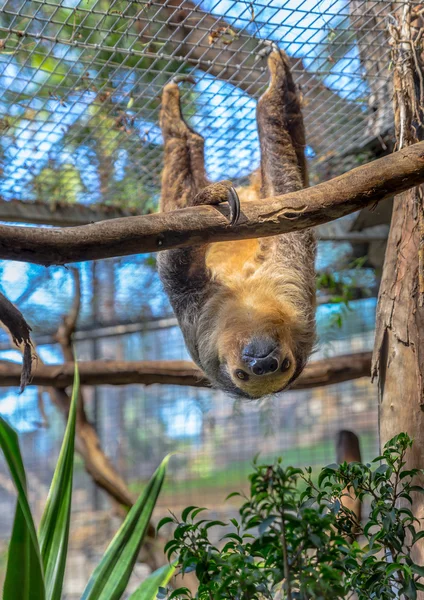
(255, 346)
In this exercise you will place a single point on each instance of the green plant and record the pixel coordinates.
(293, 544)
(36, 562)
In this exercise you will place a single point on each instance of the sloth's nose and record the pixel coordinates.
(260, 356)
(262, 366)
(259, 348)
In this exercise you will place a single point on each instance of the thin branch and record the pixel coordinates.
(361, 187)
(177, 372)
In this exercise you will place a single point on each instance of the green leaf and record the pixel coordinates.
(197, 511)
(163, 522)
(232, 495)
(111, 576)
(265, 524)
(418, 536)
(186, 512)
(24, 578)
(392, 567)
(418, 569)
(381, 470)
(54, 526)
(149, 589)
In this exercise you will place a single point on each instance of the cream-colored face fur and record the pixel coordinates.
(240, 318)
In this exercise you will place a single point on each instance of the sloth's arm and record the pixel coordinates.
(283, 170)
(184, 173)
(182, 270)
(184, 183)
(281, 131)
(184, 180)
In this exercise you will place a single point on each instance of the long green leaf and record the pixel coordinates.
(110, 578)
(54, 526)
(148, 590)
(24, 574)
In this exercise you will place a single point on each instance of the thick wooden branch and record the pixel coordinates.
(71, 215)
(176, 372)
(309, 207)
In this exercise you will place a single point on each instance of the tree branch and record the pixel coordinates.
(70, 215)
(308, 207)
(176, 372)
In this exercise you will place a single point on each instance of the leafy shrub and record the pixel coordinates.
(36, 561)
(293, 544)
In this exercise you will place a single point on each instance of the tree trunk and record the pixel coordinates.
(348, 450)
(398, 361)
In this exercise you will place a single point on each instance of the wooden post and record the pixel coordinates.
(348, 449)
(398, 361)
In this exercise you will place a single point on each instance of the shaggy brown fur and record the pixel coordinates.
(229, 293)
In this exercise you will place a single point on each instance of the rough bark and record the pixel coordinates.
(176, 372)
(363, 186)
(215, 46)
(398, 361)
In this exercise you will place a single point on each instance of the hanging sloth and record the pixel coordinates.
(246, 308)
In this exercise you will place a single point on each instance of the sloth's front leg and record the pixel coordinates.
(281, 131)
(184, 181)
(217, 193)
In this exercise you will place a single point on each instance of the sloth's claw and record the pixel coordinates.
(217, 193)
(234, 204)
(268, 46)
(183, 78)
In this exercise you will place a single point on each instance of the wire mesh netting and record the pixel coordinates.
(80, 86)
(81, 82)
(214, 439)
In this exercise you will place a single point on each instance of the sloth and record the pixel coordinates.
(246, 308)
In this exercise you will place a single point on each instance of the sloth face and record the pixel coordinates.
(263, 365)
(251, 348)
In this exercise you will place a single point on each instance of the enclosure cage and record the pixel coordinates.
(80, 87)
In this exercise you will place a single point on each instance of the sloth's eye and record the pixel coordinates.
(242, 375)
(286, 364)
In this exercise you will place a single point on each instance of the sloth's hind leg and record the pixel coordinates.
(184, 181)
(184, 173)
(281, 131)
